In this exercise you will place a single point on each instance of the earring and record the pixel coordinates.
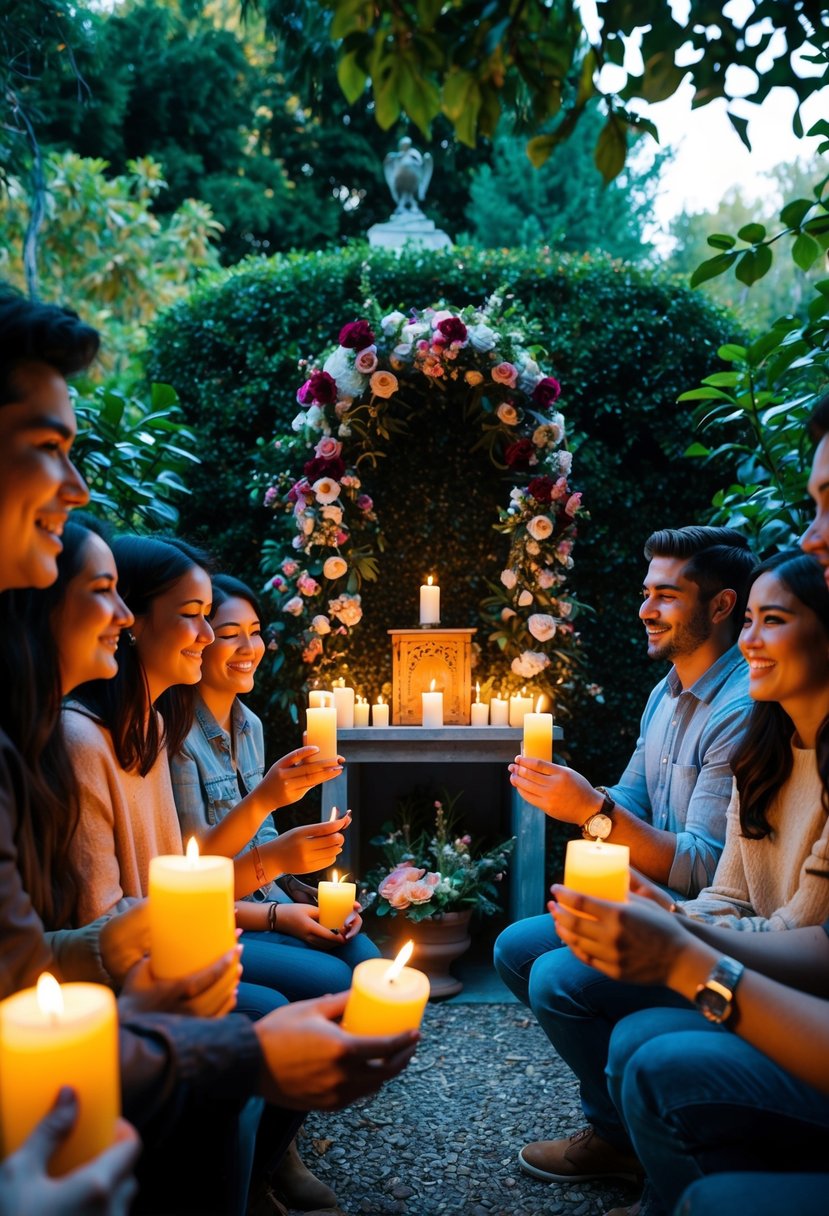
(130, 638)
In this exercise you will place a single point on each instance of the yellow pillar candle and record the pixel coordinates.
(499, 712)
(432, 712)
(599, 869)
(336, 902)
(386, 998)
(429, 603)
(192, 922)
(344, 704)
(538, 736)
(361, 711)
(56, 1035)
(380, 713)
(321, 731)
(320, 698)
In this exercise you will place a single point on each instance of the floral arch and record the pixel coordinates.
(358, 402)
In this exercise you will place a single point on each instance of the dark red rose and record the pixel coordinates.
(518, 455)
(547, 392)
(541, 489)
(299, 487)
(453, 329)
(316, 468)
(323, 388)
(357, 335)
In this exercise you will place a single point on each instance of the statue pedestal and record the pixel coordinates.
(408, 230)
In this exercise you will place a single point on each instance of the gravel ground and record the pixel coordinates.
(444, 1136)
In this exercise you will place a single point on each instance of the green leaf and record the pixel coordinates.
(740, 125)
(611, 149)
(794, 212)
(696, 449)
(662, 77)
(723, 379)
(539, 149)
(722, 240)
(752, 233)
(712, 268)
(420, 98)
(753, 265)
(428, 12)
(818, 226)
(730, 352)
(387, 92)
(351, 77)
(805, 251)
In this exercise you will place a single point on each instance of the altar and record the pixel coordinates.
(466, 745)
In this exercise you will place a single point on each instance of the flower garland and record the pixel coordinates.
(358, 402)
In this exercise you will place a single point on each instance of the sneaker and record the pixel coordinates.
(578, 1158)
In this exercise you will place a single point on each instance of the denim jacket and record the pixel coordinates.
(205, 784)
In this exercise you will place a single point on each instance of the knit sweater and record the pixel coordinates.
(782, 880)
(125, 819)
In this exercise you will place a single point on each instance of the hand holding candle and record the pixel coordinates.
(336, 902)
(429, 603)
(538, 734)
(385, 997)
(192, 922)
(321, 731)
(598, 869)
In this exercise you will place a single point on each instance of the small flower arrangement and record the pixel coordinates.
(431, 870)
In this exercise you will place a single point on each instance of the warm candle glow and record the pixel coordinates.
(429, 602)
(540, 703)
(400, 962)
(336, 900)
(49, 996)
(380, 700)
(429, 580)
(432, 686)
(192, 851)
(478, 693)
(432, 707)
(385, 998)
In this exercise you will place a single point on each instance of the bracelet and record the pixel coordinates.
(272, 913)
(261, 876)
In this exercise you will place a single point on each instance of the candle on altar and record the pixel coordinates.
(596, 868)
(480, 709)
(538, 734)
(499, 712)
(192, 922)
(429, 602)
(55, 1035)
(336, 901)
(386, 998)
(320, 698)
(519, 705)
(344, 704)
(380, 713)
(432, 707)
(321, 731)
(361, 711)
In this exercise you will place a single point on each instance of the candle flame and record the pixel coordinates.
(400, 962)
(192, 853)
(334, 876)
(478, 693)
(540, 703)
(380, 700)
(49, 995)
(332, 817)
(432, 686)
(429, 581)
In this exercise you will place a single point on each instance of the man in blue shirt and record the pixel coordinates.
(669, 807)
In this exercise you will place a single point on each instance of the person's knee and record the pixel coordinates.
(760, 1194)
(557, 984)
(519, 945)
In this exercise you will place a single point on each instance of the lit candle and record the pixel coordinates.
(361, 710)
(321, 731)
(432, 707)
(429, 602)
(192, 922)
(336, 901)
(480, 709)
(344, 704)
(595, 868)
(538, 734)
(319, 698)
(380, 713)
(519, 705)
(499, 712)
(386, 998)
(56, 1035)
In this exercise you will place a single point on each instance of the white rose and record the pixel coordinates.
(529, 663)
(333, 512)
(541, 626)
(335, 567)
(482, 338)
(546, 579)
(298, 422)
(392, 320)
(442, 314)
(321, 625)
(315, 418)
(294, 605)
(565, 462)
(340, 365)
(326, 490)
(509, 578)
(414, 330)
(525, 599)
(529, 375)
(403, 352)
(540, 527)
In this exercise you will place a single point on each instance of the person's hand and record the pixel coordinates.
(290, 778)
(302, 921)
(311, 1063)
(643, 888)
(103, 1187)
(635, 942)
(125, 940)
(304, 850)
(208, 993)
(558, 791)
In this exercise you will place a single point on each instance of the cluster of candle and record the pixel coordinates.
(346, 709)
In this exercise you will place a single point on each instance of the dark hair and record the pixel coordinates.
(819, 420)
(718, 558)
(226, 587)
(31, 332)
(30, 715)
(762, 762)
(147, 567)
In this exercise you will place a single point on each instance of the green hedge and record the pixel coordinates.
(623, 342)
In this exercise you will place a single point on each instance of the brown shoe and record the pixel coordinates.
(297, 1187)
(577, 1158)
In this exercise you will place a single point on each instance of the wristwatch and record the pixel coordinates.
(600, 823)
(715, 998)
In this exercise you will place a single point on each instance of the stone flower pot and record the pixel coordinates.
(438, 941)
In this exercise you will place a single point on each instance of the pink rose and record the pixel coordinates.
(573, 504)
(307, 585)
(294, 605)
(420, 892)
(365, 502)
(366, 362)
(383, 384)
(505, 373)
(328, 448)
(312, 651)
(357, 335)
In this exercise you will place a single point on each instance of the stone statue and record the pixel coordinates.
(408, 173)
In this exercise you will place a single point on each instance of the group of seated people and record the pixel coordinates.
(694, 1016)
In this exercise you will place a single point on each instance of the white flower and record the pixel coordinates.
(541, 626)
(482, 338)
(507, 413)
(529, 374)
(326, 489)
(335, 567)
(321, 625)
(548, 435)
(343, 430)
(546, 579)
(315, 418)
(391, 321)
(346, 608)
(509, 578)
(403, 352)
(442, 314)
(294, 605)
(565, 462)
(333, 512)
(540, 527)
(340, 365)
(529, 663)
(525, 599)
(415, 329)
(298, 422)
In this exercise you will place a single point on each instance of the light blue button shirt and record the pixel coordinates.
(679, 777)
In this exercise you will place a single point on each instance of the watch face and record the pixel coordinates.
(713, 1005)
(598, 827)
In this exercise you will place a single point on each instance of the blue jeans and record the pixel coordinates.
(759, 1194)
(518, 947)
(297, 970)
(697, 1100)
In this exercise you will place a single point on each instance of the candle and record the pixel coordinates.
(499, 712)
(538, 734)
(192, 922)
(56, 1035)
(519, 705)
(429, 603)
(336, 901)
(386, 998)
(319, 698)
(480, 710)
(595, 868)
(380, 713)
(344, 704)
(361, 710)
(321, 731)
(432, 707)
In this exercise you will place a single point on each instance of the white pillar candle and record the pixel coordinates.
(380, 713)
(538, 736)
(319, 698)
(344, 705)
(480, 710)
(518, 706)
(498, 712)
(432, 707)
(429, 603)
(361, 711)
(321, 731)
